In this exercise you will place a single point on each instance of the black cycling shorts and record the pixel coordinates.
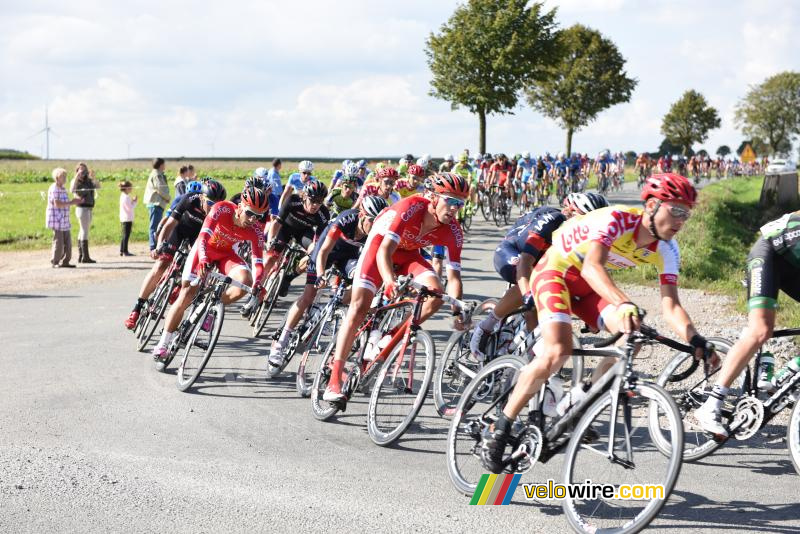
(767, 273)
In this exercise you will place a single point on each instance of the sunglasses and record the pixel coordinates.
(210, 203)
(306, 173)
(255, 215)
(315, 201)
(679, 213)
(453, 202)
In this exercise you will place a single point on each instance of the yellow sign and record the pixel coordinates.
(748, 155)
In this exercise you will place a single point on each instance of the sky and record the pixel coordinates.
(343, 79)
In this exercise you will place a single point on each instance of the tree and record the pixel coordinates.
(723, 150)
(486, 51)
(689, 120)
(667, 147)
(588, 78)
(770, 112)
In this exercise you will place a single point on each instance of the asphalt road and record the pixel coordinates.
(92, 439)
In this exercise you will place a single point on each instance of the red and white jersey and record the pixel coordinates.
(402, 223)
(220, 234)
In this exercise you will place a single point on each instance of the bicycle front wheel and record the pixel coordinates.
(400, 389)
(486, 208)
(155, 312)
(637, 470)
(315, 352)
(200, 346)
(268, 303)
(453, 373)
(793, 437)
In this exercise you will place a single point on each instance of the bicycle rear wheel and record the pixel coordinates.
(454, 371)
(473, 418)
(793, 436)
(155, 312)
(400, 389)
(636, 464)
(689, 392)
(199, 347)
(315, 353)
(268, 304)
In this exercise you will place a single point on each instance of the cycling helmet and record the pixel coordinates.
(402, 161)
(345, 163)
(194, 187)
(669, 186)
(351, 171)
(561, 155)
(380, 165)
(416, 170)
(305, 166)
(214, 191)
(423, 162)
(315, 190)
(255, 198)
(517, 156)
(255, 181)
(586, 202)
(499, 156)
(449, 157)
(373, 205)
(448, 183)
(526, 155)
(362, 164)
(387, 172)
(260, 172)
(463, 158)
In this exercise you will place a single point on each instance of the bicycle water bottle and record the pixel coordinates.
(552, 396)
(787, 372)
(766, 371)
(372, 349)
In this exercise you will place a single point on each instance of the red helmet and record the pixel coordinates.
(416, 170)
(255, 198)
(449, 183)
(669, 186)
(387, 172)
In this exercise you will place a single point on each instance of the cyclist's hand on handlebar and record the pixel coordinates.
(154, 254)
(629, 317)
(322, 283)
(390, 290)
(703, 350)
(528, 301)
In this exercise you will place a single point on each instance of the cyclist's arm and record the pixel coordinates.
(384, 260)
(166, 231)
(524, 270)
(322, 256)
(595, 274)
(209, 225)
(287, 192)
(257, 244)
(454, 286)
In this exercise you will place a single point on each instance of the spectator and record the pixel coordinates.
(83, 188)
(57, 219)
(274, 179)
(156, 196)
(180, 181)
(126, 207)
(190, 173)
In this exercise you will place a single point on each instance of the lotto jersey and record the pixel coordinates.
(402, 223)
(220, 234)
(616, 228)
(405, 187)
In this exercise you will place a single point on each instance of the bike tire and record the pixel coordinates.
(314, 354)
(602, 514)
(268, 304)
(160, 302)
(793, 436)
(450, 378)
(689, 393)
(383, 428)
(187, 377)
(466, 432)
(485, 205)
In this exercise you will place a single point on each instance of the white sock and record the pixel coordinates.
(488, 324)
(166, 338)
(284, 336)
(716, 397)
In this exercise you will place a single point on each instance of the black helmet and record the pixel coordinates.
(214, 191)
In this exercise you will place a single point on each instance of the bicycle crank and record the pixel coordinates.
(747, 418)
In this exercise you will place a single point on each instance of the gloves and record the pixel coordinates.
(528, 301)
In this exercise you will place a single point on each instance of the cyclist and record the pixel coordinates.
(466, 171)
(393, 248)
(572, 277)
(643, 166)
(363, 170)
(412, 183)
(223, 229)
(344, 196)
(525, 167)
(298, 180)
(194, 187)
(514, 258)
(498, 173)
(339, 245)
(772, 265)
(447, 164)
(382, 186)
(184, 222)
(273, 180)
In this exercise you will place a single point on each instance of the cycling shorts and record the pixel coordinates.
(285, 235)
(439, 252)
(526, 178)
(560, 294)
(345, 264)
(506, 258)
(767, 273)
(405, 262)
(171, 244)
(227, 262)
(502, 178)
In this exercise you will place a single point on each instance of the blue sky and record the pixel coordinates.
(346, 78)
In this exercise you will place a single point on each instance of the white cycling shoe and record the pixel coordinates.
(276, 355)
(710, 420)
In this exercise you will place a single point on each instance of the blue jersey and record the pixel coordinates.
(533, 232)
(561, 167)
(296, 181)
(605, 162)
(527, 166)
(575, 164)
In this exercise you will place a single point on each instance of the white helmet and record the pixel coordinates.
(526, 155)
(373, 206)
(561, 155)
(586, 202)
(423, 162)
(345, 163)
(305, 166)
(351, 171)
(449, 157)
(260, 172)
(401, 162)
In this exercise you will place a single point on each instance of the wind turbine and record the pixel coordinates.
(47, 131)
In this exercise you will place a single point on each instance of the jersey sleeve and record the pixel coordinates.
(209, 225)
(181, 208)
(454, 241)
(540, 236)
(257, 242)
(670, 262)
(284, 211)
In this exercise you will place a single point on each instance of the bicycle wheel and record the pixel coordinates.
(268, 304)
(473, 418)
(199, 347)
(793, 436)
(486, 208)
(155, 312)
(689, 392)
(507, 211)
(636, 462)
(315, 353)
(454, 371)
(400, 389)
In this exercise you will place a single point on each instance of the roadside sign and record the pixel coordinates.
(748, 155)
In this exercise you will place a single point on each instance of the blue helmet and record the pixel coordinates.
(194, 187)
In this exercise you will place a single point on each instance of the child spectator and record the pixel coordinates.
(126, 206)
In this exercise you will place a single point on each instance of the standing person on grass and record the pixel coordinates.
(83, 188)
(156, 196)
(126, 206)
(57, 219)
(181, 180)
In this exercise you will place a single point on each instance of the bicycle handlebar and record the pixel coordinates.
(213, 275)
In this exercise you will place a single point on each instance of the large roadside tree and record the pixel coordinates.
(588, 78)
(770, 112)
(485, 53)
(723, 150)
(689, 120)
